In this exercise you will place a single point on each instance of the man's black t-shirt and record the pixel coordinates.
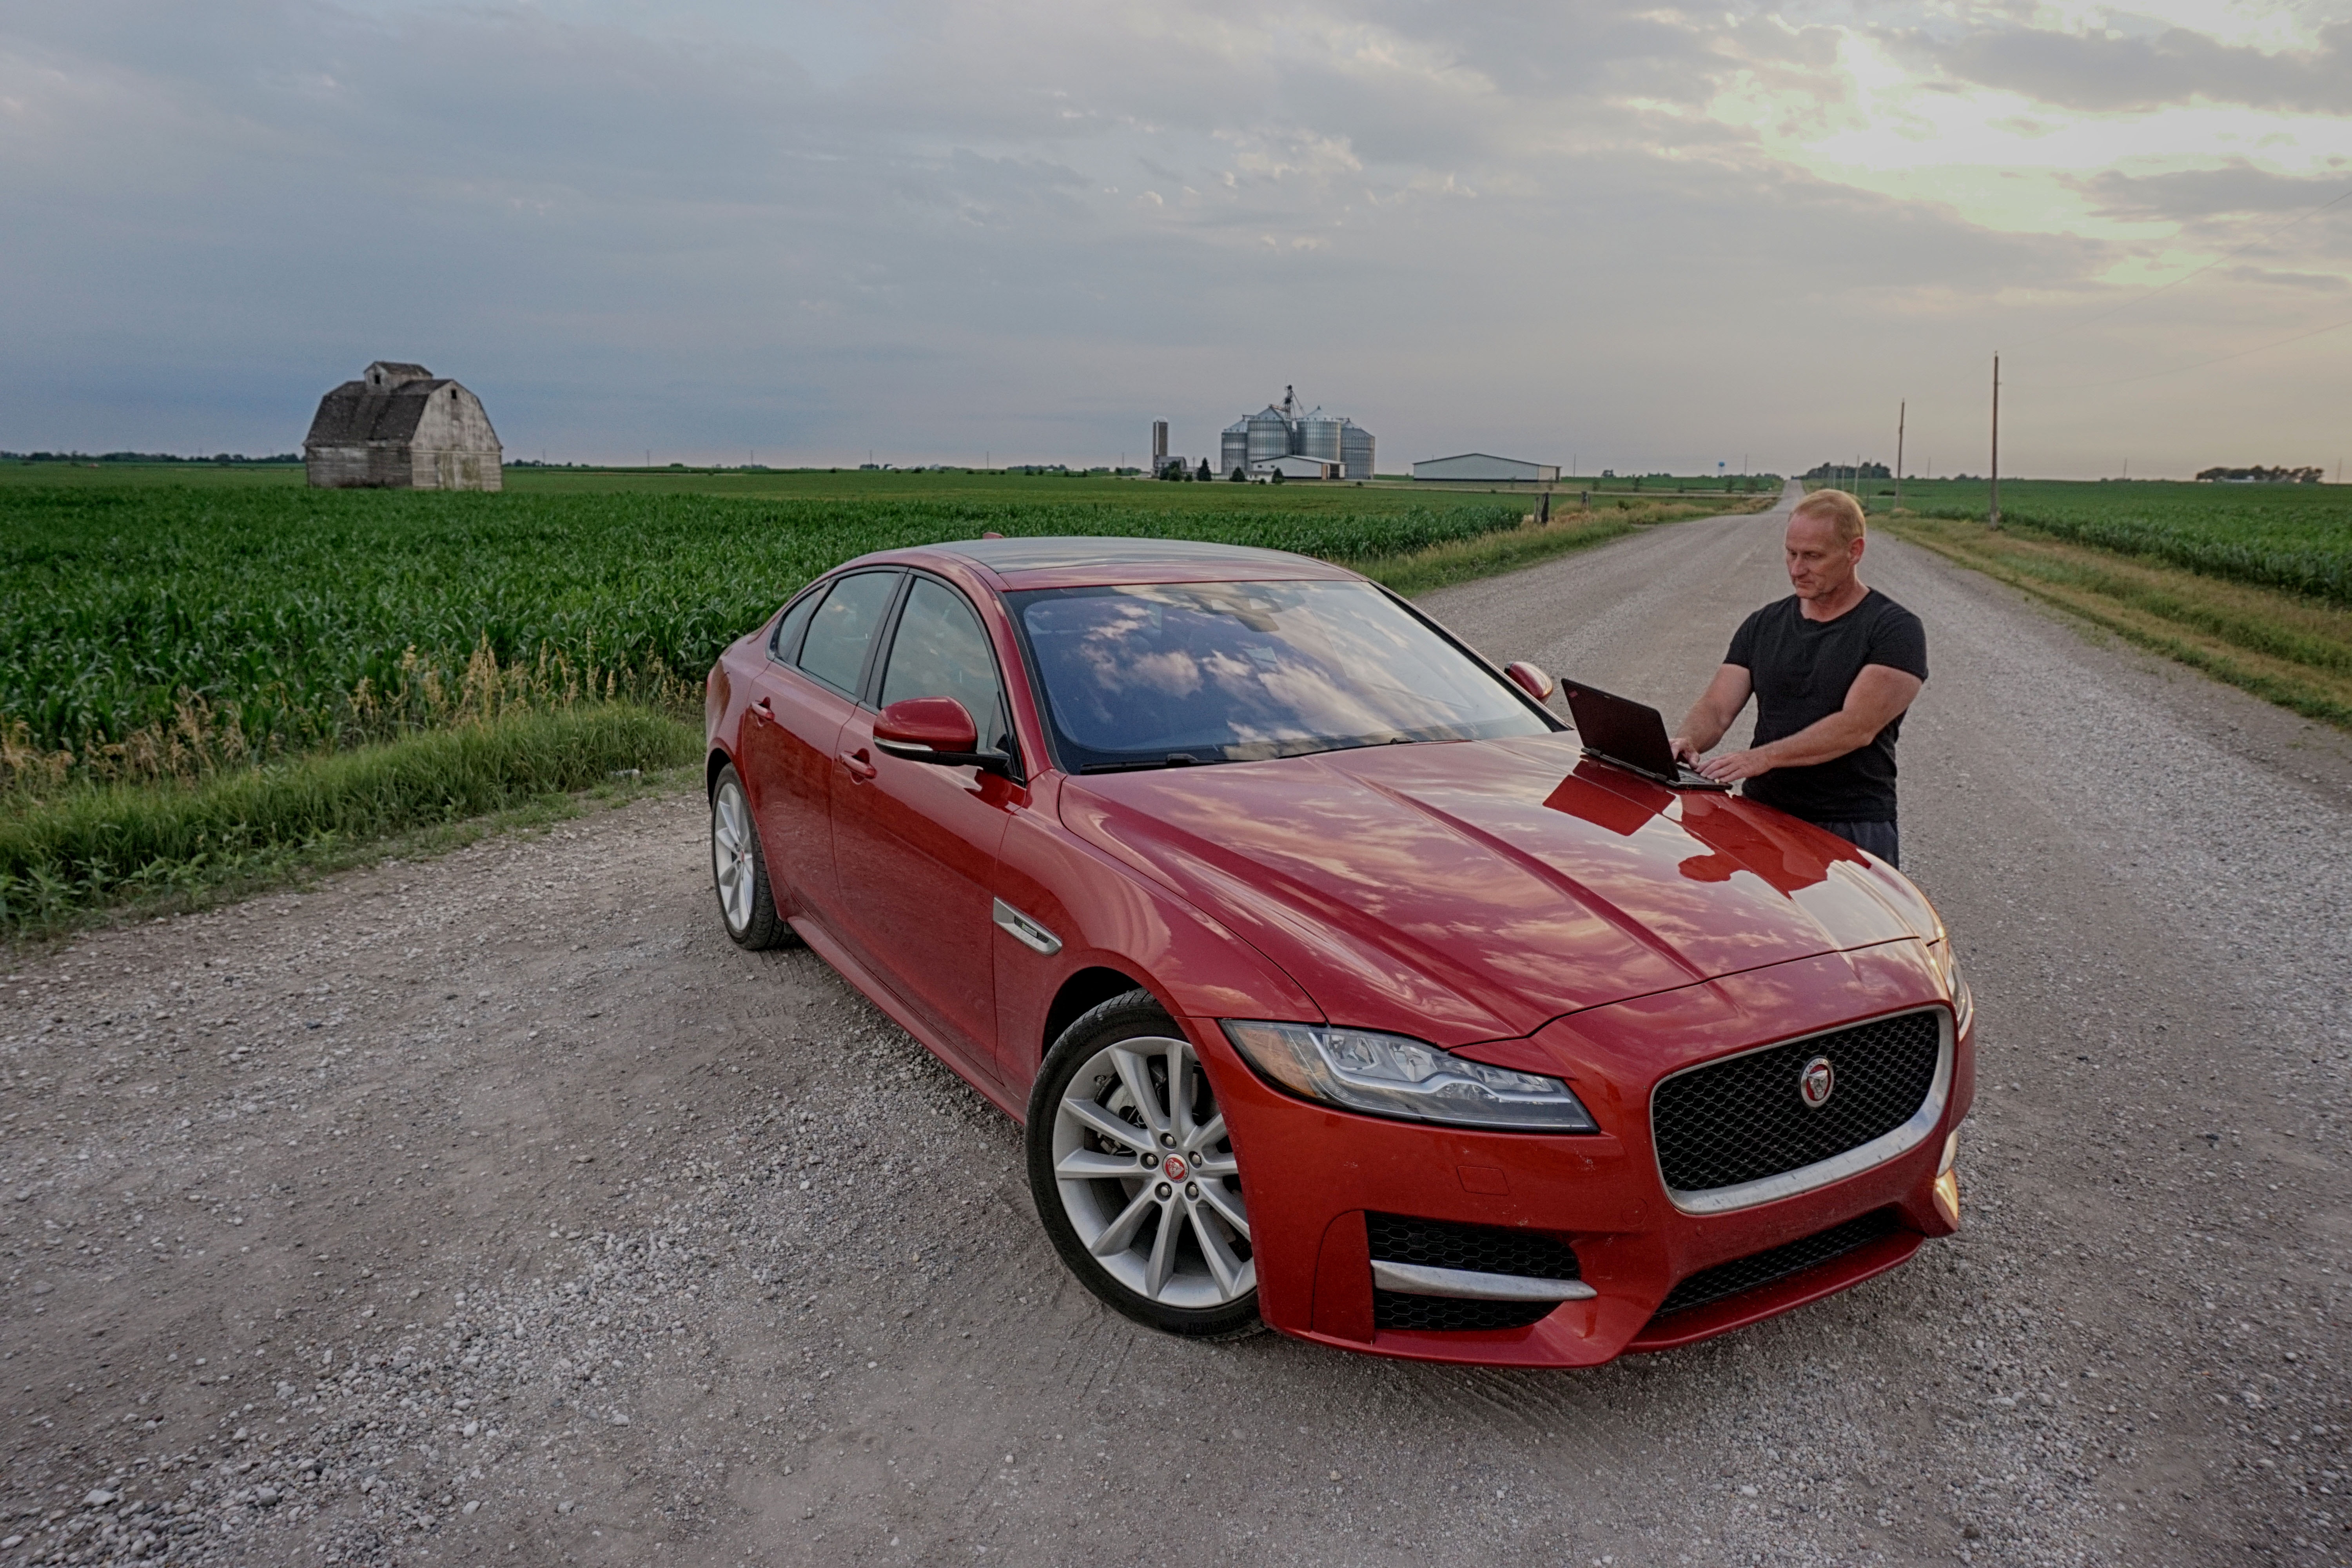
(1802, 670)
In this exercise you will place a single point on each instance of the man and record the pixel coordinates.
(1831, 668)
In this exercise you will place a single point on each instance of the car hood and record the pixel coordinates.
(1476, 891)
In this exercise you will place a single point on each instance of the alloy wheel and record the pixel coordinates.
(732, 848)
(1147, 1177)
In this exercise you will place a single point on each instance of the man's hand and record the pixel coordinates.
(1733, 766)
(1712, 715)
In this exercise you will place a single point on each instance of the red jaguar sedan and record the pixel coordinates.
(1336, 988)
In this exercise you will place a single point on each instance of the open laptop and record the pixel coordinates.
(1630, 735)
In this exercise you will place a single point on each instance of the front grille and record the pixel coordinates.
(1744, 1119)
(1394, 1310)
(1743, 1274)
(1482, 1249)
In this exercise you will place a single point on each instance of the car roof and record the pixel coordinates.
(1083, 561)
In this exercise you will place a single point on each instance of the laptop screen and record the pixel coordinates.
(1621, 730)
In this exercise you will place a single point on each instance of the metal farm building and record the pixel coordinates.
(1483, 469)
(401, 427)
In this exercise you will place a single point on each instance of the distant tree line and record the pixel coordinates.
(1848, 471)
(2262, 476)
(221, 459)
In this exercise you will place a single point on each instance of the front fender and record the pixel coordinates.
(1107, 917)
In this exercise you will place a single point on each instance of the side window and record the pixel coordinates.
(786, 644)
(940, 650)
(842, 628)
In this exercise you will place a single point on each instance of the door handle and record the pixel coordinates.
(764, 710)
(860, 765)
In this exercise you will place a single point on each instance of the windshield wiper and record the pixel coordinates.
(1172, 760)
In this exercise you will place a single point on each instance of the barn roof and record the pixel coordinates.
(353, 414)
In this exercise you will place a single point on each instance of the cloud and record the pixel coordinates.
(1660, 236)
(2107, 73)
(2236, 188)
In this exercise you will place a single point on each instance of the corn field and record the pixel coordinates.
(152, 632)
(2297, 537)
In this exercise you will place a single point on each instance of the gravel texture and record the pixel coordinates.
(496, 1206)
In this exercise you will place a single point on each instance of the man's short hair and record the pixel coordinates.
(1842, 509)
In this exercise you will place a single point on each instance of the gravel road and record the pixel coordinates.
(497, 1207)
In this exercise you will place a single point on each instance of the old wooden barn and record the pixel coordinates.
(400, 426)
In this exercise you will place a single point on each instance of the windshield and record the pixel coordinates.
(1148, 675)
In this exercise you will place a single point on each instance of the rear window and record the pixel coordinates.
(842, 628)
(1146, 675)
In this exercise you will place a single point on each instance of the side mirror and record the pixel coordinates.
(1529, 678)
(921, 727)
(934, 729)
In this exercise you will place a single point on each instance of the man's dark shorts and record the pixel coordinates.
(1879, 838)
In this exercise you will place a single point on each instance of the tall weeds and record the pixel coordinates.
(202, 739)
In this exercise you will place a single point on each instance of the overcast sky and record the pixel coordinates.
(1623, 235)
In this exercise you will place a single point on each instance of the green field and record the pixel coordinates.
(2295, 537)
(213, 678)
(2251, 583)
(261, 619)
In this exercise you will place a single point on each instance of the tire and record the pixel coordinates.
(1142, 1194)
(738, 870)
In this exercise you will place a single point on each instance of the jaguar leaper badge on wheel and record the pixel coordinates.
(1818, 1082)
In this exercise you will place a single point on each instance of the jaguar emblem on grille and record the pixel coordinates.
(1817, 1083)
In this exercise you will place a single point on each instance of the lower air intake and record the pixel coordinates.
(1480, 1248)
(1744, 1274)
(1394, 1310)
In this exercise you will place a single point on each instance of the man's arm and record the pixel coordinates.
(1712, 715)
(1877, 695)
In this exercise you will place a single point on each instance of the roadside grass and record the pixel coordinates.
(143, 848)
(492, 748)
(2285, 647)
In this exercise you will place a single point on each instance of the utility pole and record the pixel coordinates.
(1902, 412)
(1992, 517)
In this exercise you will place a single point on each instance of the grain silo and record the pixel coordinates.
(1355, 451)
(1233, 449)
(1269, 434)
(1319, 435)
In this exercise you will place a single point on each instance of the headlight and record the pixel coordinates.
(1388, 1074)
(1948, 967)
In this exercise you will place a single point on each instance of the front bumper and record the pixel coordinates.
(1311, 1174)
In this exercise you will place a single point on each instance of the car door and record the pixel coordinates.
(915, 843)
(817, 665)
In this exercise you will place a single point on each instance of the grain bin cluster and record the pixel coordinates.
(1279, 438)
